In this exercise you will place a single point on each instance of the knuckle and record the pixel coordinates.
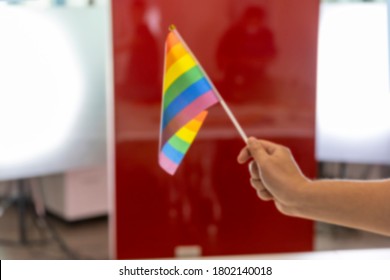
(255, 183)
(264, 194)
(286, 150)
(285, 210)
(253, 168)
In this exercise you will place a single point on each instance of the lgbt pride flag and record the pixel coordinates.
(187, 93)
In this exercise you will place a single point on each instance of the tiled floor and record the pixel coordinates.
(89, 239)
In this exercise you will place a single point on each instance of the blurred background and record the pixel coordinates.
(80, 92)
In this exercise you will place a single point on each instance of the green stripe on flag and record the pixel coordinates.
(179, 144)
(181, 84)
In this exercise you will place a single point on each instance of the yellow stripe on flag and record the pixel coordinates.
(194, 125)
(189, 131)
(177, 69)
(186, 134)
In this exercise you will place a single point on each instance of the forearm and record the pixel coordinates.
(358, 204)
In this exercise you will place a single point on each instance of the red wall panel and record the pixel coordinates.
(262, 57)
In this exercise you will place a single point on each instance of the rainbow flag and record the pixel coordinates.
(187, 92)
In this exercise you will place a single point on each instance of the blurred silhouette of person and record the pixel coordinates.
(143, 65)
(246, 50)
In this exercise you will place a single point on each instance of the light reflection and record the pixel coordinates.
(41, 85)
(353, 86)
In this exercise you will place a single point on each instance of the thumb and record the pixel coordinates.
(257, 150)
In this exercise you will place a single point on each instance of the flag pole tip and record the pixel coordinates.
(172, 27)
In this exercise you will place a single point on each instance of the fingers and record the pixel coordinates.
(256, 149)
(267, 146)
(264, 195)
(256, 182)
(261, 191)
(254, 170)
(244, 155)
(259, 150)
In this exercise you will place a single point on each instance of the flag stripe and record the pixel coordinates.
(180, 144)
(201, 117)
(177, 69)
(181, 84)
(192, 110)
(172, 40)
(186, 134)
(167, 164)
(185, 98)
(187, 93)
(176, 52)
(196, 123)
(173, 154)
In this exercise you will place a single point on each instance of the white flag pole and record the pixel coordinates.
(216, 92)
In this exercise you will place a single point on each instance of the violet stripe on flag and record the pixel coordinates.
(167, 164)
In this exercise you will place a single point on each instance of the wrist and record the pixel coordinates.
(299, 197)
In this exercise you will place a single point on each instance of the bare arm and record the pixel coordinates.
(276, 177)
(359, 204)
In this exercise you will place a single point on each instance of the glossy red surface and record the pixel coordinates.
(262, 59)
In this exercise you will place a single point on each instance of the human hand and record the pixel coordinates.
(274, 173)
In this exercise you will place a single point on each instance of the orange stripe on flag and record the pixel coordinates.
(196, 123)
(201, 117)
(174, 54)
(172, 40)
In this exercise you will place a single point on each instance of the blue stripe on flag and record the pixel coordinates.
(184, 99)
(172, 153)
